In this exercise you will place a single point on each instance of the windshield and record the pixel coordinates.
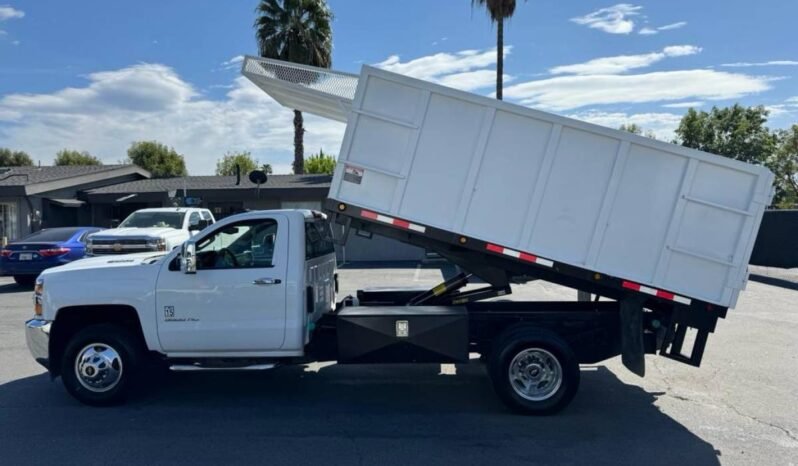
(51, 234)
(154, 219)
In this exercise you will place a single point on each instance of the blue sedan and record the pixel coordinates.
(25, 259)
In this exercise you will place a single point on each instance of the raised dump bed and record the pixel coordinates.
(665, 220)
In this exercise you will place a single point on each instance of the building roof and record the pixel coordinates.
(20, 176)
(33, 180)
(195, 183)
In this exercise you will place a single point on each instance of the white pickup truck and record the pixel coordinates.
(146, 230)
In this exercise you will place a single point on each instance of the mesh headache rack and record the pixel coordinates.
(319, 91)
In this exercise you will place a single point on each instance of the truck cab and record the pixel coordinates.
(247, 289)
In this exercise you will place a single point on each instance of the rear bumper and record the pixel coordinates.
(37, 334)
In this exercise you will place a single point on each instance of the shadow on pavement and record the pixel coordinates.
(382, 415)
(772, 281)
(14, 288)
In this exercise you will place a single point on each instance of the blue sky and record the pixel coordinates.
(97, 75)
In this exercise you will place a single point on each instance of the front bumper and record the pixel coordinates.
(37, 334)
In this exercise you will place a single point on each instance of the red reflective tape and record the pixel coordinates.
(494, 248)
(664, 294)
(401, 223)
(631, 286)
(527, 257)
(368, 214)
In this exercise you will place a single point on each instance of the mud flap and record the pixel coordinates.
(632, 345)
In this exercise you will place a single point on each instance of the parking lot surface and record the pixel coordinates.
(740, 407)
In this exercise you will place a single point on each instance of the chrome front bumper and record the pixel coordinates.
(37, 334)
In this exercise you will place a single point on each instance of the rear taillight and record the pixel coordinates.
(53, 252)
(5, 253)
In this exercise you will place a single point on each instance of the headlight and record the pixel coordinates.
(157, 244)
(37, 297)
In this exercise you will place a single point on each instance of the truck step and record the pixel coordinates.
(196, 367)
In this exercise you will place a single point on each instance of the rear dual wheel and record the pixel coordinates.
(533, 371)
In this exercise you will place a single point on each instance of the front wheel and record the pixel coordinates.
(99, 364)
(533, 371)
(25, 280)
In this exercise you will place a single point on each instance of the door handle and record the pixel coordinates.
(266, 281)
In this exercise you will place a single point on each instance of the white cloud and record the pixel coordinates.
(614, 20)
(467, 70)
(766, 63)
(661, 125)
(568, 92)
(233, 63)
(151, 101)
(647, 31)
(793, 100)
(9, 12)
(692, 104)
(622, 63)
(672, 26)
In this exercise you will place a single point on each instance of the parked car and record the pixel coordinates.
(25, 259)
(151, 230)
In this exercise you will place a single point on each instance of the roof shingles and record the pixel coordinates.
(158, 185)
(20, 176)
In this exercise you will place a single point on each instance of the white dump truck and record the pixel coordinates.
(661, 233)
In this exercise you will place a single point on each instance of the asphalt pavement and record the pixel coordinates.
(740, 407)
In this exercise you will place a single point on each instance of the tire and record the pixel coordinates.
(25, 280)
(110, 358)
(539, 358)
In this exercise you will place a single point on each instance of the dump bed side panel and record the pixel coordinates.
(650, 212)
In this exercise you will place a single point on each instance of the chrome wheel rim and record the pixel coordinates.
(535, 374)
(98, 367)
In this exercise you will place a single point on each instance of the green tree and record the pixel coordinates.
(634, 128)
(226, 166)
(14, 158)
(499, 10)
(736, 132)
(297, 31)
(158, 159)
(320, 163)
(784, 164)
(267, 168)
(73, 157)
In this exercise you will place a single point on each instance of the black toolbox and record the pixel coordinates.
(402, 334)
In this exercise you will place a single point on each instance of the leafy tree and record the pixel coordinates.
(320, 163)
(16, 158)
(637, 129)
(226, 166)
(158, 159)
(267, 167)
(784, 164)
(736, 132)
(499, 10)
(298, 31)
(73, 157)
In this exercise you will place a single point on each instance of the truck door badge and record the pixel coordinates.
(402, 329)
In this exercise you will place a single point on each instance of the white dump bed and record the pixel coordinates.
(654, 213)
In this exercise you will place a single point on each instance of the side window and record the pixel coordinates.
(206, 215)
(242, 245)
(193, 220)
(318, 239)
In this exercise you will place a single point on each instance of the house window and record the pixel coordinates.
(8, 221)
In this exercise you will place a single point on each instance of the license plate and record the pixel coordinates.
(26, 256)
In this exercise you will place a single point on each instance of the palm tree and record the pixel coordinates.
(297, 31)
(499, 10)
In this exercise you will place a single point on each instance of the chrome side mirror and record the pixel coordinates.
(188, 261)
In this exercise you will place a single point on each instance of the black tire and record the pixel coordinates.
(25, 280)
(541, 346)
(126, 347)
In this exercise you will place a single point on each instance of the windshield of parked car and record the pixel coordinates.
(154, 219)
(50, 235)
